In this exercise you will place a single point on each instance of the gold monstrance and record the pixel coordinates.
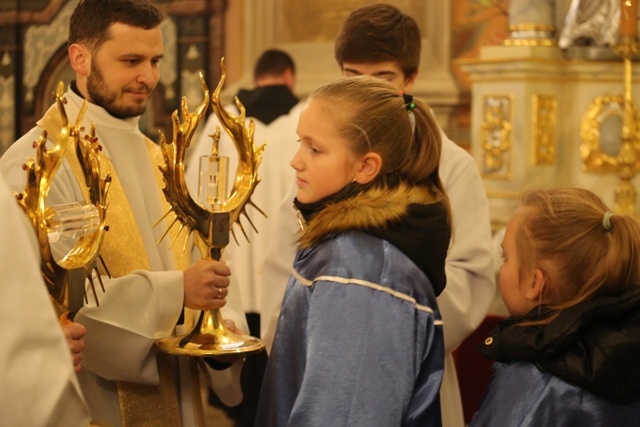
(84, 222)
(211, 222)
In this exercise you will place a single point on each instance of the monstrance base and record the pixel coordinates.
(205, 345)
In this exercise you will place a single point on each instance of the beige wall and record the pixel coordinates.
(307, 31)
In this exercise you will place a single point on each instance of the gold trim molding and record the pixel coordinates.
(543, 28)
(496, 140)
(545, 110)
(531, 35)
(604, 108)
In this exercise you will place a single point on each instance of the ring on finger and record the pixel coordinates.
(219, 293)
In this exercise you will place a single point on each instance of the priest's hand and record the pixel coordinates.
(231, 325)
(206, 284)
(74, 334)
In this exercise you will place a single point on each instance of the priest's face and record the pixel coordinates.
(125, 69)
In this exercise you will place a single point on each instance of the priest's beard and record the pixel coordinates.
(101, 95)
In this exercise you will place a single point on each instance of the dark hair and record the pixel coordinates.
(380, 32)
(273, 62)
(91, 19)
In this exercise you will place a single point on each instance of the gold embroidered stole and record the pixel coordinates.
(123, 251)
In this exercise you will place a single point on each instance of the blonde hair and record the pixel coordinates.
(565, 228)
(374, 118)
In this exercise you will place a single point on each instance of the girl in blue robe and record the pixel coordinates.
(359, 341)
(570, 278)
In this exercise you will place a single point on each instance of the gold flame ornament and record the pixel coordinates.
(210, 227)
(65, 279)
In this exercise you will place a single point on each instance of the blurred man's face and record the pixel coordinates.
(387, 70)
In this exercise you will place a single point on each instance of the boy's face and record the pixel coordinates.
(387, 70)
(125, 69)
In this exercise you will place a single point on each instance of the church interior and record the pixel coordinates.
(495, 73)
(530, 111)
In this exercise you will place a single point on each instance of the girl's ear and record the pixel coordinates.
(369, 168)
(535, 287)
(80, 59)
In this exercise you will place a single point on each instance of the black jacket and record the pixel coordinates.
(594, 345)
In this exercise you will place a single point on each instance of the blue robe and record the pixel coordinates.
(520, 394)
(580, 369)
(359, 340)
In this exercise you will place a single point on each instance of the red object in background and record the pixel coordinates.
(473, 369)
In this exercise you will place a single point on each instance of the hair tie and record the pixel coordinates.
(408, 101)
(606, 221)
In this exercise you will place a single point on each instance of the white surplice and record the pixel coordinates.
(38, 382)
(139, 307)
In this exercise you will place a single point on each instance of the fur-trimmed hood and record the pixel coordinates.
(411, 218)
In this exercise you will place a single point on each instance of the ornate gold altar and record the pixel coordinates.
(539, 118)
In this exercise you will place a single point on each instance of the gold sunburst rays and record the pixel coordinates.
(81, 261)
(209, 226)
